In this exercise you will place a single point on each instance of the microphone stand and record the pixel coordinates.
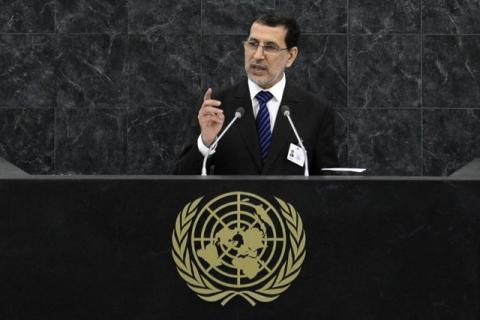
(286, 113)
(238, 114)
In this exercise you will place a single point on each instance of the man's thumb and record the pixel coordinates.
(208, 94)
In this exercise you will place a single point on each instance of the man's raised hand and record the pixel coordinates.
(210, 118)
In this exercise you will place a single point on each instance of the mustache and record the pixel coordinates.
(258, 65)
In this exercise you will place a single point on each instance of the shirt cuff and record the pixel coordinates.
(203, 148)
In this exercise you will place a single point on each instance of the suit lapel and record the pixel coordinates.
(282, 134)
(247, 125)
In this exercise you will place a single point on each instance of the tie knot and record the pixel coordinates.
(263, 97)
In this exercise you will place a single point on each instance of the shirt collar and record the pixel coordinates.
(276, 90)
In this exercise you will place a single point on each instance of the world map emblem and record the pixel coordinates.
(238, 244)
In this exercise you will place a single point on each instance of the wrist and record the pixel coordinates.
(206, 142)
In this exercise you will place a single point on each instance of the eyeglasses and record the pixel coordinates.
(269, 48)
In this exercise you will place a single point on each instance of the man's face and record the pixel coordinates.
(264, 68)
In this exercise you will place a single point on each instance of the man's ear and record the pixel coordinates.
(292, 55)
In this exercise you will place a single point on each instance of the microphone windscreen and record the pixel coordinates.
(239, 112)
(285, 110)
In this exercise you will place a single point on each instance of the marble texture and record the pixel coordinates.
(451, 71)
(383, 65)
(90, 141)
(27, 16)
(156, 136)
(386, 142)
(327, 16)
(92, 71)
(372, 16)
(164, 71)
(91, 16)
(27, 138)
(451, 139)
(27, 70)
(222, 60)
(321, 67)
(342, 117)
(164, 16)
(451, 17)
(232, 17)
(384, 71)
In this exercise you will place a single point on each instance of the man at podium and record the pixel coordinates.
(260, 139)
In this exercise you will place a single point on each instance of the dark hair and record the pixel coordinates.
(293, 30)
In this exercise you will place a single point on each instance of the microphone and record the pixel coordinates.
(285, 110)
(238, 114)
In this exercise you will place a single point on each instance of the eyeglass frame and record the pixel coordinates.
(265, 47)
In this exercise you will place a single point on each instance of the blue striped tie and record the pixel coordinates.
(263, 123)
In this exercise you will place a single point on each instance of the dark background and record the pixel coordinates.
(100, 248)
(109, 87)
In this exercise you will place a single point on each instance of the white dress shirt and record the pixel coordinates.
(273, 105)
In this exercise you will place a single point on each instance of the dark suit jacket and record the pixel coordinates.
(238, 153)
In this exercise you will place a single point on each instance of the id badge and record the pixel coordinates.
(295, 155)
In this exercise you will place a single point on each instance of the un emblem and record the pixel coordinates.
(238, 244)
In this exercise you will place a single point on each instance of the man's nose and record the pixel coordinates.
(259, 54)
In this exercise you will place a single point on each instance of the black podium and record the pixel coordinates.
(102, 247)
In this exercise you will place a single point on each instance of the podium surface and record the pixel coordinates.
(102, 247)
